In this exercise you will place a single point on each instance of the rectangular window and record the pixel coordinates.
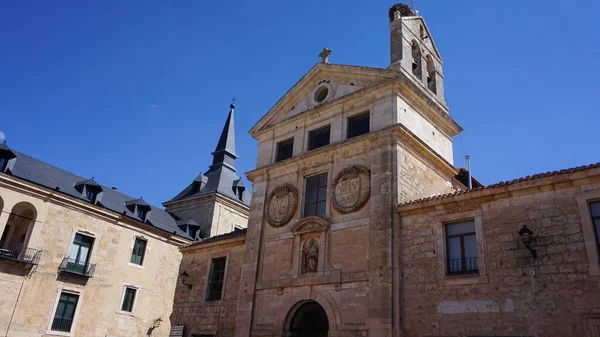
(318, 138)
(358, 125)
(315, 197)
(461, 247)
(128, 299)
(285, 149)
(141, 213)
(215, 280)
(595, 210)
(91, 196)
(79, 254)
(65, 312)
(139, 251)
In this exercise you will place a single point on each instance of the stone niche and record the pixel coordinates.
(310, 244)
(351, 189)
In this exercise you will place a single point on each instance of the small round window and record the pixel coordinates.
(321, 94)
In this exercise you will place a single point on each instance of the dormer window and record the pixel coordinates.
(3, 164)
(90, 190)
(6, 155)
(139, 208)
(239, 188)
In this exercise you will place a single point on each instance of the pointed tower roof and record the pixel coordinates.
(225, 152)
(221, 176)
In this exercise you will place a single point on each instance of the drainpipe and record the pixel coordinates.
(468, 159)
(15, 307)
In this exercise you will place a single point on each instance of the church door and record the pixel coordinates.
(309, 320)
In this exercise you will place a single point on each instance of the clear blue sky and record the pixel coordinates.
(136, 92)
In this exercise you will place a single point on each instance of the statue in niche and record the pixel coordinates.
(310, 256)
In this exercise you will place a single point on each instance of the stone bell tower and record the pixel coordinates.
(413, 51)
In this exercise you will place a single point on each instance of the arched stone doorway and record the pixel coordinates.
(307, 319)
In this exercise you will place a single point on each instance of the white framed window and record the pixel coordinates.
(138, 253)
(63, 319)
(129, 298)
(460, 238)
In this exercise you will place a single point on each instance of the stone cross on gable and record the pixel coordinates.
(325, 55)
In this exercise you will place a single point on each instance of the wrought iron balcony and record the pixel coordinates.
(19, 253)
(62, 324)
(77, 267)
(469, 265)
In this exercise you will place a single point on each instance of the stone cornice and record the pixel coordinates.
(194, 200)
(398, 131)
(428, 107)
(234, 241)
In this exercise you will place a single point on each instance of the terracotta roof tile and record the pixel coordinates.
(506, 183)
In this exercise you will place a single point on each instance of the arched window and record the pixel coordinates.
(421, 32)
(15, 237)
(431, 84)
(416, 59)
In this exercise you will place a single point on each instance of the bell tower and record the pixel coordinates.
(413, 52)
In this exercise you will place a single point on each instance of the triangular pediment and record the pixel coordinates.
(340, 81)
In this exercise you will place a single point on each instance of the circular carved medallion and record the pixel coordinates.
(351, 189)
(281, 205)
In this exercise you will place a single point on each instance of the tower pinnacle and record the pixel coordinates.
(224, 154)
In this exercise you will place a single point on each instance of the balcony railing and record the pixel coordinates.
(77, 267)
(469, 265)
(19, 253)
(62, 324)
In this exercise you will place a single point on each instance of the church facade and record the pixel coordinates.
(344, 238)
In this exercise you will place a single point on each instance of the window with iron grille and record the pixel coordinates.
(461, 247)
(128, 299)
(285, 149)
(315, 197)
(319, 137)
(358, 125)
(595, 211)
(139, 251)
(216, 279)
(65, 312)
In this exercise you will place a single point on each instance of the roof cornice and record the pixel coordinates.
(504, 189)
(41, 192)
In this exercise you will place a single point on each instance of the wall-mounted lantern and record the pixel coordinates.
(185, 279)
(527, 237)
(157, 323)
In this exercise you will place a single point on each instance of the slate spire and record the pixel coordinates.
(224, 154)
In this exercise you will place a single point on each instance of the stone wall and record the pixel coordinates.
(190, 306)
(555, 294)
(37, 288)
(226, 215)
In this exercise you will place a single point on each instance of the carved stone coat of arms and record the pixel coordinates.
(281, 205)
(351, 189)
